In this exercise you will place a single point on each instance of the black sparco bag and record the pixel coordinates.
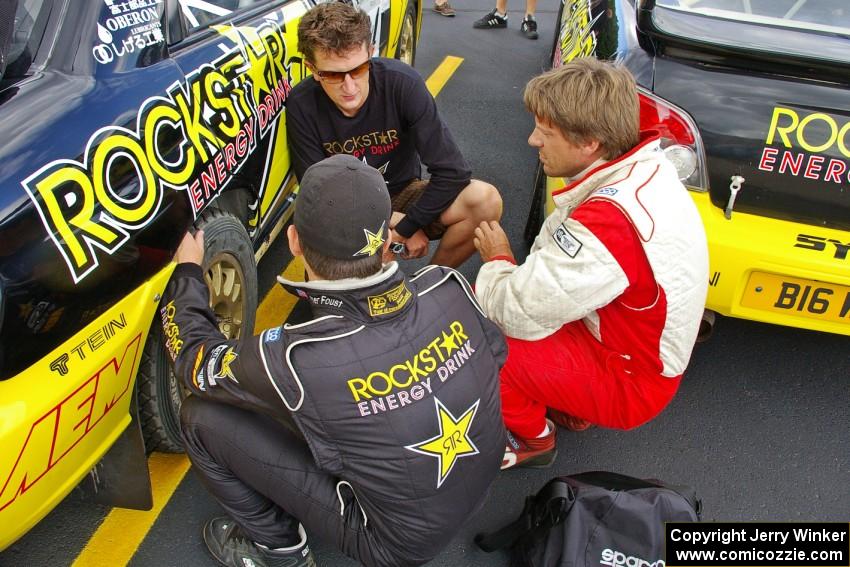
(594, 519)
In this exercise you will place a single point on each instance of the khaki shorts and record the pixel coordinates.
(407, 197)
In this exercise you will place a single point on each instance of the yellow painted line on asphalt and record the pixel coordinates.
(278, 304)
(442, 74)
(121, 533)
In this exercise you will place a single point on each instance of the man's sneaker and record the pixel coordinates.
(491, 21)
(529, 27)
(568, 421)
(233, 548)
(539, 452)
(444, 9)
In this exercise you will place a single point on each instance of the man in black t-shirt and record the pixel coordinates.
(380, 111)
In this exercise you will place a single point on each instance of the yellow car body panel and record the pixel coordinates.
(54, 429)
(760, 271)
(750, 257)
(396, 19)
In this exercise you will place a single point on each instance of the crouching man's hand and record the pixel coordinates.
(491, 241)
(191, 249)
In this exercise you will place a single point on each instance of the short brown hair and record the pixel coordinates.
(588, 99)
(334, 27)
(330, 268)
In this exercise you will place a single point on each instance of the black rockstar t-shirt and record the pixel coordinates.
(398, 126)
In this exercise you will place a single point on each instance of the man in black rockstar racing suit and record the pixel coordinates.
(375, 426)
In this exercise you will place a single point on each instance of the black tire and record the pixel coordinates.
(406, 51)
(231, 274)
(538, 207)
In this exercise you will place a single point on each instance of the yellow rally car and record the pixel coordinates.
(125, 122)
(753, 103)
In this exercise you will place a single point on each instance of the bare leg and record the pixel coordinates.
(502, 6)
(479, 201)
(530, 7)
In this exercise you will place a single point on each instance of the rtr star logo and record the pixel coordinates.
(226, 361)
(374, 241)
(451, 443)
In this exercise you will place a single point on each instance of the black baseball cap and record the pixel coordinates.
(343, 208)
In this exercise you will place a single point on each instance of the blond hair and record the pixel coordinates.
(588, 99)
(334, 27)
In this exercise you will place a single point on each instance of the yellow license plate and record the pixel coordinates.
(795, 296)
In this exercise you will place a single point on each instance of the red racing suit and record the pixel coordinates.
(604, 312)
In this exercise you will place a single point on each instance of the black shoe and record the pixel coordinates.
(491, 21)
(529, 27)
(233, 548)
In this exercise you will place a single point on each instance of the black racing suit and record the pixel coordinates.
(394, 387)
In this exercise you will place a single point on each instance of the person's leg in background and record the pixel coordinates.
(498, 18)
(479, 201)
(529, 24)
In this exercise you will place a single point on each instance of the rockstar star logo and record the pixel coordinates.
(374, 241)
(449, 343)
(451, 443)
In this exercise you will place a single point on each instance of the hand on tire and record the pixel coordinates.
(191, 249)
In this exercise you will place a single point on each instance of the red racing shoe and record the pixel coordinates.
(568, 421)
(539, 452)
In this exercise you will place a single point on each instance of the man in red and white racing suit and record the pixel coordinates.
(603, 314)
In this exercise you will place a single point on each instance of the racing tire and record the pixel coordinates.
(231, 275)
(538, 207)
(406, 51)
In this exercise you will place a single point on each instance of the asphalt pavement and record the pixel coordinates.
(761, 424)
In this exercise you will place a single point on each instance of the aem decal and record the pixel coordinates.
(57, 432)
(813, 132)
(194, 139)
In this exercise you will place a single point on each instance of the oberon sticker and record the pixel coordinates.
(211, 123)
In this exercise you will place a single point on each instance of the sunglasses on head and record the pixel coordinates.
(334, 77)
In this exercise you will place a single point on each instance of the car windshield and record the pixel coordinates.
(832, 16)
(21, 37)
